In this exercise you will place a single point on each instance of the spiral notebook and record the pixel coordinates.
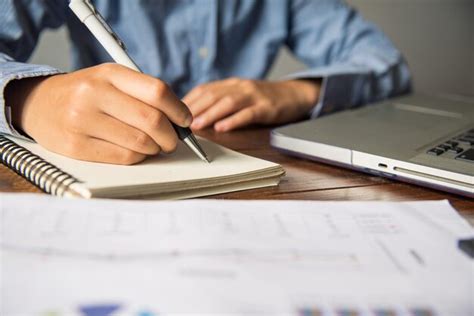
(175, 176)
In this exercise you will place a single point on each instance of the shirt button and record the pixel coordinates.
(203, 52)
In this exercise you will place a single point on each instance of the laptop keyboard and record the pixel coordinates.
(460, 147)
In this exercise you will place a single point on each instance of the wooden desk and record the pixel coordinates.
(305, 180)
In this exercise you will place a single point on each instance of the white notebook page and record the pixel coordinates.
(181, 166)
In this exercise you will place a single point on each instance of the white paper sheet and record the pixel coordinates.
(280, 257)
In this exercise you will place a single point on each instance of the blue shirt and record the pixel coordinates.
(188, 42)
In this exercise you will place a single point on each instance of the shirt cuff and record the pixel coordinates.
(340, 87)
(14, 71)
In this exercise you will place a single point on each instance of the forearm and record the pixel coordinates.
(349, 85)
(11, 71)
(307, 90)
(21, 23)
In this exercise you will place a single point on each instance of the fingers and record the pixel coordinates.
(109, 129)
(205, 100)
(214, 101)
(206, 95)
(197, 93)
(222, 108)
(151, 91)
(194, 95)
(143, 117)
(245, 117)
(97, 150)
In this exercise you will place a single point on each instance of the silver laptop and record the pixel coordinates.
(419, 139)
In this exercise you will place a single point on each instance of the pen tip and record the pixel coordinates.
(192, 143)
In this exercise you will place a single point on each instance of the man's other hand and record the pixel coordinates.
(233, 103)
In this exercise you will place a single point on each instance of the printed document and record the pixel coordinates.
(146, 258)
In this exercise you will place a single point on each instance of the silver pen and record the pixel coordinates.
(93, 20)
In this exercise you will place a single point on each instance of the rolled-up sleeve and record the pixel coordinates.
(356, 62)
(21, 22)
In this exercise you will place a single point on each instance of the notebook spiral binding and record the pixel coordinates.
(35, 169)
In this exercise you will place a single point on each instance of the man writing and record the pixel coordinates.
(213, 54)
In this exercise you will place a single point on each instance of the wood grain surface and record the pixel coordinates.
(304, 180)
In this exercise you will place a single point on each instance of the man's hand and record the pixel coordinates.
(234, 103)
(107, 113)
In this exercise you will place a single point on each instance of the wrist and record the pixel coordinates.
(18, 93)
(307, 91)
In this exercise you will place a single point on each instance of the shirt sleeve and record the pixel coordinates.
(356, 62)
(21, 22)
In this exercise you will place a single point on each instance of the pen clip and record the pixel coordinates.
(104, 23)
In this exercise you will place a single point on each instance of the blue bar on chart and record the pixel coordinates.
(99, 309)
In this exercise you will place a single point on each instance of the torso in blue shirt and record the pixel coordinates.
(187, 42)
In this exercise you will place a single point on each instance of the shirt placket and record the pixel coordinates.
(202, 38)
